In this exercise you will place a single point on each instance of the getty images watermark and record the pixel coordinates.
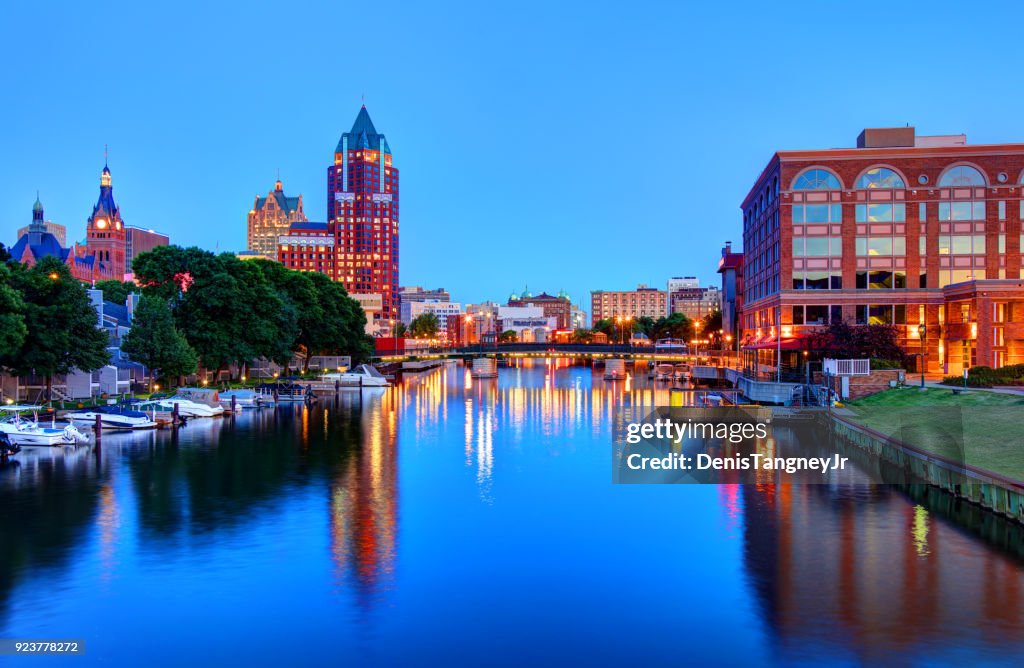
(755, 444)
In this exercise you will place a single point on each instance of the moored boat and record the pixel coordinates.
(185, 407)
(112, 417)
(23, 430)
(663, 372)
(363, 375)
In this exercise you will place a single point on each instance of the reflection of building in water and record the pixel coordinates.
(842, 569)
(364, 501)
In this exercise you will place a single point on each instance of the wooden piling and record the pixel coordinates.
(98, 428)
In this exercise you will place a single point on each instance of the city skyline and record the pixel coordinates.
(488, 124)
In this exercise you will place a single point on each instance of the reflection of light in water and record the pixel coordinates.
(921, 530)
(109, 521)
(729, 494)
(485, 451)
(469, 431)
(364, 501)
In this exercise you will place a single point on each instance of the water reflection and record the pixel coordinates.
(503, 481)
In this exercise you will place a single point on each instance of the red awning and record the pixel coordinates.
(769, 343)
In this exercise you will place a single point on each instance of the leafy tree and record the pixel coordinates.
(582, 336)
(116, 291)
(425, 326)
(644, 324)
(155, 342)
(400, 330)
(61, 323)
(712, 322)
(605, 326)
(508, 336)
(5, 255)
(675, 326)
(12, 316)
(845, 341)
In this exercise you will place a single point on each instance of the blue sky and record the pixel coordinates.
(561, 145)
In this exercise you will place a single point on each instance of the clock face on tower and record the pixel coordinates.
(101, 224)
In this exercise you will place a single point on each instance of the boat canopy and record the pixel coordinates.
(16, 408)
(368, 370)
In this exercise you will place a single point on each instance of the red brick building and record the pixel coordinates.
(358, 245)
(558, 307)
(903, 230)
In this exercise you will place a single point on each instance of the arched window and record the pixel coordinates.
(962, 175)
(817, 179)
(880, 177)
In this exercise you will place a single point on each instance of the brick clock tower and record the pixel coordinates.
(362, 215)
(105, 233)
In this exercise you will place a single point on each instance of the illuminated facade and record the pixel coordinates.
(360, 243)
(269, 219)
(106, 238)
(902, 230)
(633, 304)
(558, 307)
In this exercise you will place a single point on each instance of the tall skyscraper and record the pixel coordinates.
(269, 219)
(362, 209)
(358, 245)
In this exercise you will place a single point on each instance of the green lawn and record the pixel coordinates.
(992, 425)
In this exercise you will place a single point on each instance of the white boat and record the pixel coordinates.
(681, 372)
(24, 430)
(113, 417)
(363, 375)
(186, 408)
(663, 372)
(243, 399)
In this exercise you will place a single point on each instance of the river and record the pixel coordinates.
(453, 521)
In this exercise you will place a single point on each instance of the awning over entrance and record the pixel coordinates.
(771, 343)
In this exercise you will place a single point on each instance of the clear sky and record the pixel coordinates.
(562, 145)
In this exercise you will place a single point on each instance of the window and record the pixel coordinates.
(962, 175)
(817, 213)
(816, 315)
(961, 211)
(816, 179)
(921, 212)
(880, 177)
(880, 213)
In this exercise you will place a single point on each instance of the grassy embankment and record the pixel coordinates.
(993, 425)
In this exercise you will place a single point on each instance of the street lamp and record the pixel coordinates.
(922, 331)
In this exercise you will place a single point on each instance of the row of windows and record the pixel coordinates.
(884, 178)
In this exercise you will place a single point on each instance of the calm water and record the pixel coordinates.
(450, 521)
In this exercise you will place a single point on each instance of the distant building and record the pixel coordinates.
(140, 241)
(417, 294)
(578, 317)
(37, 243)
(269, 219)
(106, 237)
(731, 269)
(694, 301)
(642, 302)
(558, 307)
(413, 310)
(528, 322)
(680, 283)
(58, 231)
(358, 245)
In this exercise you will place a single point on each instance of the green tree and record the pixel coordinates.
(116, 291)
(155, 342)
(644, 324)
(400, 330)
(61, 323)
(582, 336)
(425, 326)
(605, 326)
(12, 314)
(675, 326)
(508, 336)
